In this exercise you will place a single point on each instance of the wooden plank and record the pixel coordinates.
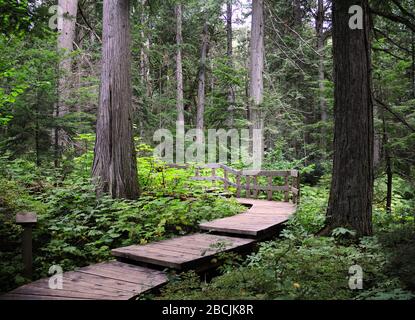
(123, 275)
(75, 285)
(266, 173)
(158, 255)
(16, 296)
(151, 257)
(104, 281)
(263, 217)
(107, 282)
(200, 252)
(34, 290)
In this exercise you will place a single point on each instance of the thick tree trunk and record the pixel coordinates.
(256, 67)
(66, 38)
(201, 99)
(351, 193)
(321, 78)
(179, 66)
(115, 167)
(229, 53)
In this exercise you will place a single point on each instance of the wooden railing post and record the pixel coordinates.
(269, 192)
(255, 193)
(287, 189)
(213, 177)
(238, 185)
(27, 221)
(248, 186)
(225, 176)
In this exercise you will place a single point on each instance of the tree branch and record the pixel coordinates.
(396, 115)
(394, 18)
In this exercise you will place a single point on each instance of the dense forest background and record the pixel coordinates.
(49, 97)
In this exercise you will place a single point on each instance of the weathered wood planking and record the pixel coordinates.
(263, 219)
(104, 281)
(184, 253)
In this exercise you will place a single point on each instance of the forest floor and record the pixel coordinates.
(76, 229)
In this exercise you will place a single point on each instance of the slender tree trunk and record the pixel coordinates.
(179, 66)
(388, 165)
(66, 38)
(256, 67)
(413, 63)
(145, 48)
(229, 53)
(321, 78)
(297, 12)
(351, 193)
(201, 99)
(115, 167)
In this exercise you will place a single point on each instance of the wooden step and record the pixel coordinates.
(195, 251)
(263, 219)
(104, 281)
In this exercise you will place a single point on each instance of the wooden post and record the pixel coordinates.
(255, 193)
(27, 221)
(287, 189)
(238, 186)
(213, 177)
(225, 176)
(248, 186)
(269, 188)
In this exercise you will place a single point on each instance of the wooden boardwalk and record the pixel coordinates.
(195, 251)
(139, 267)
(262, 220)
(104, 281)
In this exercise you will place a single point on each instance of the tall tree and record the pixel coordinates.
(320, 49)
(145, 48)
(201, 98)
(350, 203)
(179, 65)
(66, 38)
(115, 167)
(256, 67)
(229, 53)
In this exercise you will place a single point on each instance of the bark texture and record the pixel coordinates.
(66, 38)
(256, 67)
(321, 77)
(350, 203)
(179, 65)
(229, 53)
(201, 99)
(115, 167)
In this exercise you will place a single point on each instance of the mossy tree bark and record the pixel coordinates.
(350, 203)
(115, 166)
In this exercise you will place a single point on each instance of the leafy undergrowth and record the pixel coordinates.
(75, 228)
(300, 265)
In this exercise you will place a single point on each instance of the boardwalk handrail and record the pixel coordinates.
(291, 187)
